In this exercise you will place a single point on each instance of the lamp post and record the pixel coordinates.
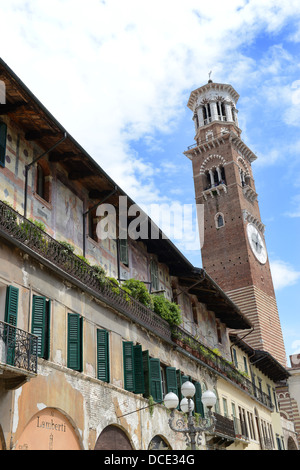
(190, 431)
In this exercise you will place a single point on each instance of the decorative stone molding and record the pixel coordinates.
(216, 191)
(253, 220)
(249, 193)
(209, 159)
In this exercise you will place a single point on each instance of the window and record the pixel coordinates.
(206, 113)
(11, 316)
(154, 275)
(123, 246)
(233, 411)
(225, 408)
(219, 331)
(103, 355)
(221, 110)
(92, 224)
(40, 325)
(220, 220)
(234, 358)
(75, 341)
(245, 364)
(43, 181)
(195, 312)
(243, 423)
(3, 132)
(146, 375)
(251, 425)
(217, 405)
(133, 368)
(170, 384)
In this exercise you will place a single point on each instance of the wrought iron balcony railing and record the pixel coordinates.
(217, 362)
(18, 348)
(38, 243)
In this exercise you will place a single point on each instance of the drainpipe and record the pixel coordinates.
(27, 168)
(88, 211)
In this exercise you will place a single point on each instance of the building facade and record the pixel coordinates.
(289, 399)
(94, 332)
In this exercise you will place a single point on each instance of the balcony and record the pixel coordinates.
(186, 341)
(54, 255)
(224, 433)
(215, 190)
(18, 356)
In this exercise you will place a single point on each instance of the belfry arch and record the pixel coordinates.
(113, 437)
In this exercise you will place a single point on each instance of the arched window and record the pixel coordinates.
(219, 220)
(221, 111)
(206, 113)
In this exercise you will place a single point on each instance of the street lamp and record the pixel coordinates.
(187, 405)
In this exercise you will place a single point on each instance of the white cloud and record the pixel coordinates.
(296, 346)
(283, 274)
(113, 72)
(295, 203)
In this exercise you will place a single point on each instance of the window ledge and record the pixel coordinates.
(43, 201)
(215, 191)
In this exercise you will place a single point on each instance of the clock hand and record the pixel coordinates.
(256, 241)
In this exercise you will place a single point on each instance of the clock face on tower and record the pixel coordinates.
(257, 244)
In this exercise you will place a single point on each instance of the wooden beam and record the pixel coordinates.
(96, 194)
(37, 135)
(56, 157)
(79, 175)
(10, 108)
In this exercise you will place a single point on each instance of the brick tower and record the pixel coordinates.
(234, 252)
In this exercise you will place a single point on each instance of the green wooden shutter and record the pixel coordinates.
(3, 130)
(103, 355)
(198, 402)
(74, 341)
(155, 380)
(128, 361)
(11, 307)
(11, 317)
(146, 368)
(171, 378)
(138, 369)
(39, 325)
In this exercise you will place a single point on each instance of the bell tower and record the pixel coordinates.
(234, 252)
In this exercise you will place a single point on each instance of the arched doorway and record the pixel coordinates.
(113, 438)
(159, 443)
(48, 429)
(291, 444)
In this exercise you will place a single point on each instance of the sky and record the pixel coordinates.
(118, 74)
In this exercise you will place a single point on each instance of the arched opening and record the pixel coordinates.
(291, 444)
(159, 443)
(113, 438)
(49, 429)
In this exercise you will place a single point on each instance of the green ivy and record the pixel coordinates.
(169, 311)
(138, 291)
